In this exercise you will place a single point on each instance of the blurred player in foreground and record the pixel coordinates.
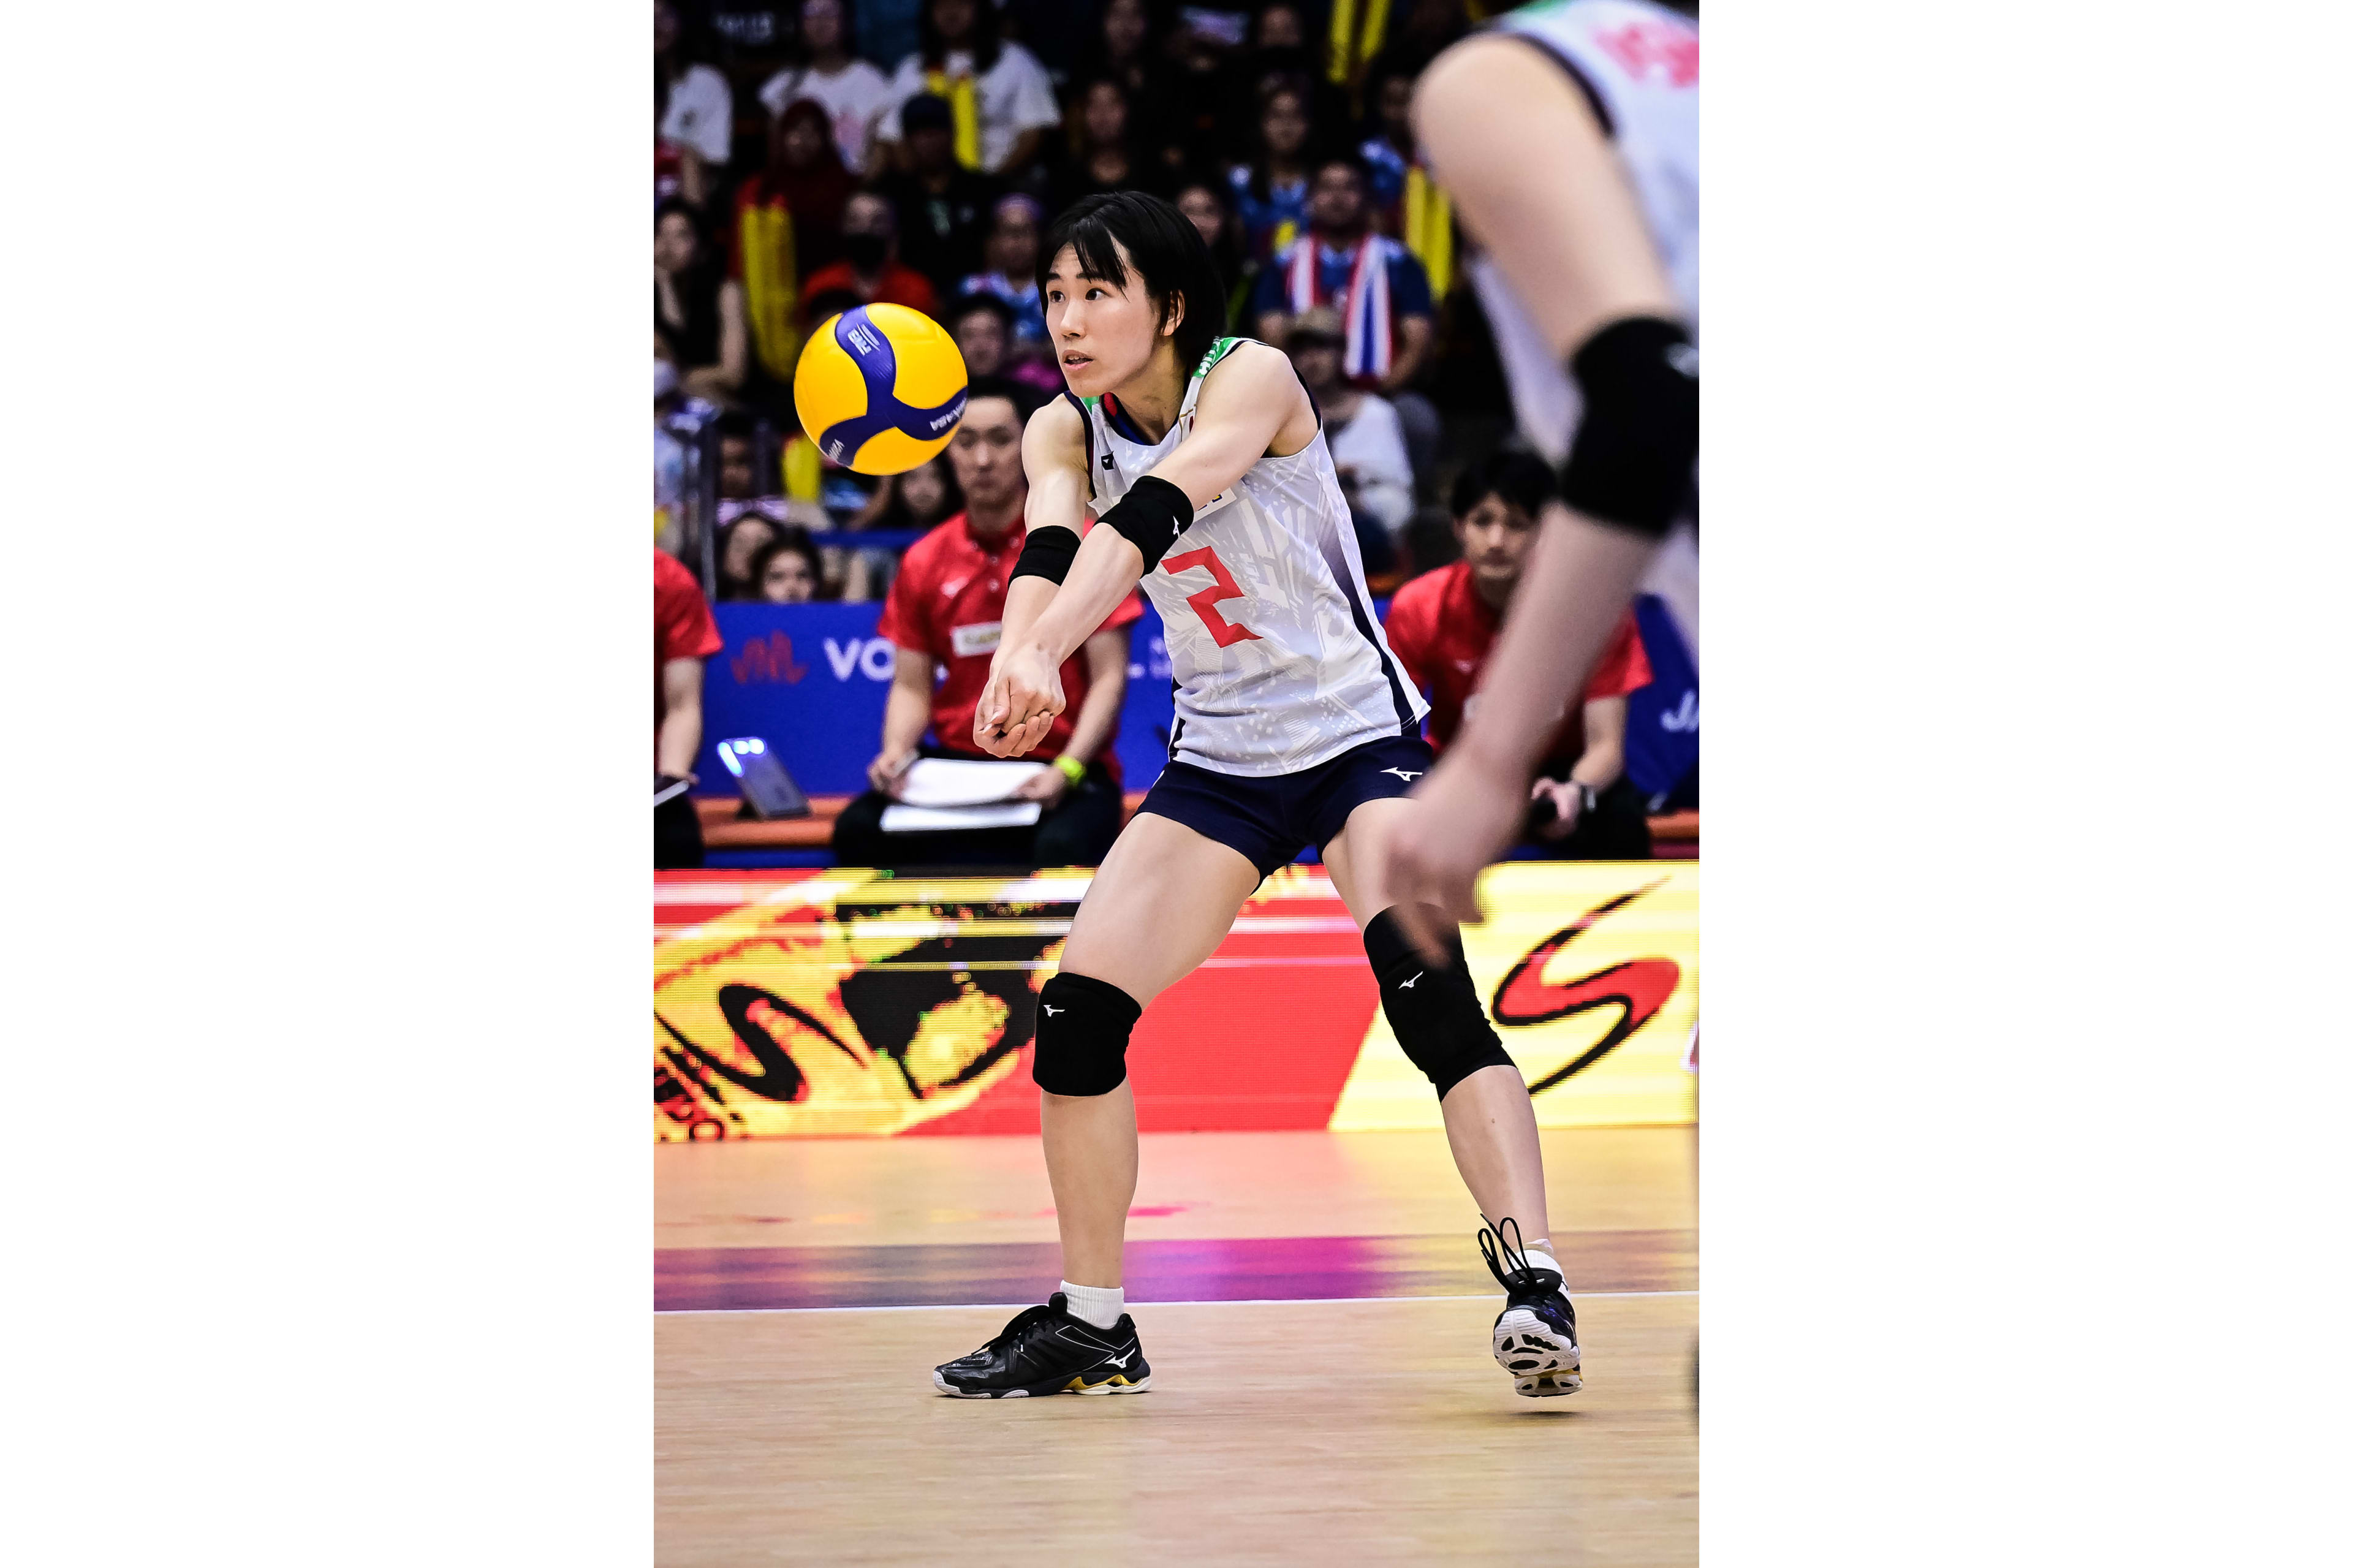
(1205, 461)
(1568, 135)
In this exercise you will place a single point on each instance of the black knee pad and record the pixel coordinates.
(1082, 1029)
(1434, 1013)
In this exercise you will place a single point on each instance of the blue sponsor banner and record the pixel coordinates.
(812, 680)
(1662, 717)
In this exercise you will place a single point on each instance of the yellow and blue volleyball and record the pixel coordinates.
(880, 388)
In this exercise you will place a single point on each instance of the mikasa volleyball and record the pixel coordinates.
(880, 388)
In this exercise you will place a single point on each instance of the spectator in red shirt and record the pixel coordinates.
(870, 265)
(944, 612)
(684, 636)
(1442, 625)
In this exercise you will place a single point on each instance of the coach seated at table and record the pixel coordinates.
(1442, 627)
(942, 617)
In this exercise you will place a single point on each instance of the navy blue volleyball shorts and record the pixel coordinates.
(1269, 820)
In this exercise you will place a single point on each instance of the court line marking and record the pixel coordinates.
(1244, 1301)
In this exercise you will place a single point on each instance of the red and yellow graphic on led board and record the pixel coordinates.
(852, 1002)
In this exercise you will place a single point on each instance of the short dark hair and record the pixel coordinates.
(1024, 398)
(1521, 479)
(1347, 158)
(791, 539)
(966, 304)
(1167, 250)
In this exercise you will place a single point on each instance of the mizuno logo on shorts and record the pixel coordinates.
(1051, 1011)
(1407, 984)
(1402, 773)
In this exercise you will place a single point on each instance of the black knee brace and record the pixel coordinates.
(1632, 461)
(1434, 1013)
(1082, 1029)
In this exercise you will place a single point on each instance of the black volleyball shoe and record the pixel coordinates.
(1536, 1333)
(1045, 1349)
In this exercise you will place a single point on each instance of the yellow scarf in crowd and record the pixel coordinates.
(765, 240)
(964, 103)
(1430, 229)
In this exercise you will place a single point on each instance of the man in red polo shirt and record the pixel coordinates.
(1442, 625)
(684, 636)
(944, 615)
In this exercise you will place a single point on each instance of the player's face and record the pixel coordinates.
(1496, 538)
(986, 453)
(1104, 333)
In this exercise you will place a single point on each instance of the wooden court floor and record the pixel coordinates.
(808, 1286)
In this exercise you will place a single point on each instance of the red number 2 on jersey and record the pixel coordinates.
(1205, 603)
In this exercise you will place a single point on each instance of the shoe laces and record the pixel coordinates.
(1508, 1261)
(1021, 1324)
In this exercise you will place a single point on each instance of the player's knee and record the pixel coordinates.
(1434, 1013)
(1082, 1029)
(1633, 457)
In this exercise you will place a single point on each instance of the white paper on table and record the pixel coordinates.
(950, 780)
(900, 818)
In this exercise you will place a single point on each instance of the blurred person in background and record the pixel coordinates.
(915, 501)
(699, 321)
(740, 544)
(805, 180)
(984, 327)
(694, 109)
(1443, 625)
(1270, 192)
(851, 92)
(1388, 148)
(1366, 443)
(684, 636)
(942, 206)
(1012, 274)
(1000, 101)
(870, 268)
(1379, 291)
(1122, 51)
(1102, 156)
(1285, 51)
(944, 617)
(740, 478)
(1207, 203)
(787, 570)
(1428, 28)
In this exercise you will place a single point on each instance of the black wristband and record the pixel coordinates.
(1047, 553)
(1632, 461)
(1150, 517)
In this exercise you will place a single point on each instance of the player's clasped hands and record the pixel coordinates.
(1020, 703)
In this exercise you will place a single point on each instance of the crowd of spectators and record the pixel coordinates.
(812, 156)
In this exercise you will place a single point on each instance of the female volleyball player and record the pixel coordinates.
(1568, 135)
(1203, 458)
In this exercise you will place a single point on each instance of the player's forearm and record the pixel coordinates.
(1576, 585)
(1599, 766)
(905, 716)
(1025, 601)
(1105, 571)
(679, 738)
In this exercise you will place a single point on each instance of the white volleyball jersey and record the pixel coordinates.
(1278, 663)
(1638, 65)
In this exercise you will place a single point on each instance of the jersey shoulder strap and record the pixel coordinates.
(1217, 350)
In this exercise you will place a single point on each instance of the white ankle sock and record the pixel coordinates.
(1100, 1305)
(1539, 1253)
